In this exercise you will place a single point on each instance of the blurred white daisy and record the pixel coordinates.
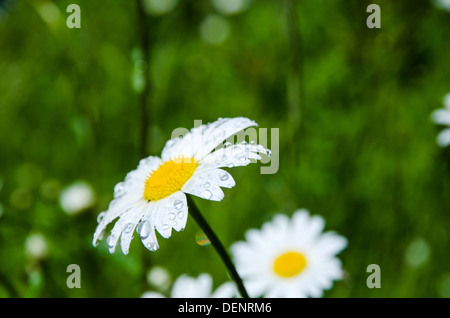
(442, 4)
(200, 287)
(159, 277)
(442, 117)
(289, 257)
(153, 196)
(230, 7)
(77, 197)
(36, 246)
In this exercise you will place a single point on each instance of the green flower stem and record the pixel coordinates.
(215, 242)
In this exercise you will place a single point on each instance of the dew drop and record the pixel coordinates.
(165, 226)
(102, 234)
(174, 223)
(128, 228)
(207, 185)
(118, 189)
(224, 177)
(230, 165)
(201, 239)
(143, 229)
(180, 214)
(152, 246)
(110, 241)
(269, 152)
(207, 194)
(227, 144)
(253, 143)
(100, 217)
(178, 204)
(172, 216)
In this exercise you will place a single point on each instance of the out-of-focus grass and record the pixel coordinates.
(368, 161)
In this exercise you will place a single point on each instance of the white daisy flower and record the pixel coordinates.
(442, 117)
(77, 197)
(442, 4)
(289, 257)
(36, 246)
(153, 196)
(201, 287)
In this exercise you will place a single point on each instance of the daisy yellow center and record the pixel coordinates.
(289, 264)
(169, 178)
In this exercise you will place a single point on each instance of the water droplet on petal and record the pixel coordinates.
(100, 217)
(253, 143)
(152, 246)
(102, 234)
(180, 214)
(230, 165)
(269, 152)
(118, 189)
(224, 176)
(165, 226)
(174, 223)
(178, 204)
(207, 194)
(207, 184)
(110, 241)
(143, 229)
(172, 216)
(227, 144)
(128, 228)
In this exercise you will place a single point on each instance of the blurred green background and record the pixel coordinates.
(356, 142)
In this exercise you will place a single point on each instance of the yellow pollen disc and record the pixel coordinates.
(169, 178)
(289, 264)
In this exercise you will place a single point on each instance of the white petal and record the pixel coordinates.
(446, 100)
(255, 287)
(330, 244)
(218, 131)
(177, 210)
(162, 221)
(200, 141)
(233, 156)
(443, 139)
(126, 221)
(203, 189)
(135, 180)
(308, 228)
(226, 290)
(117, 207)
(171, 213)
(150, 242)
(177, 147)
(127, 195)
(441, 116)
(217, 176)
(127, 233)
(151, 294)
(146, 228)
(189, 287)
